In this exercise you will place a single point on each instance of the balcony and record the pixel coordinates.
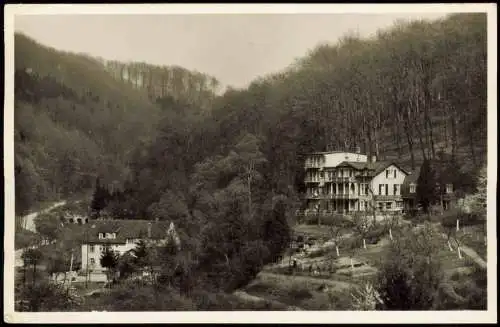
(342, 196)
(308, 165)
(336, 179)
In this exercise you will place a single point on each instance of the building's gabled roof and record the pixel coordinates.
(126, 229)
(376, 167)
(443, 169)
(412, 177)
(444, 174)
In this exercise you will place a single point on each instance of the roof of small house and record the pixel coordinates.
(126, 229)
(444, 173)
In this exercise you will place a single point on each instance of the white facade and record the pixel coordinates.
(389, 183)
(333, 159)
(390, 177)
(351, 187)
(93, 253)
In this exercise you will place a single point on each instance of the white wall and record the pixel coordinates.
(333, 159)
(381, 179)
(96, 255)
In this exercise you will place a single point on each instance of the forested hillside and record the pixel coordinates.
(74, 122)
(415, 91)
(160, 81)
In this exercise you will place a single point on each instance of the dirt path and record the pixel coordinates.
(28, 221)
(471, 254)
(474, 256)
(248, 297)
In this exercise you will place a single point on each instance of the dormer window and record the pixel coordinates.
(413, 188)
(109, 236)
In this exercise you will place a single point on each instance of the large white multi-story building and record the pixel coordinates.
(344, 182)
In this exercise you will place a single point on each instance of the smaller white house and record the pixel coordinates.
(121, 236)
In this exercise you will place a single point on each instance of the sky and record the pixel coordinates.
(234, 48)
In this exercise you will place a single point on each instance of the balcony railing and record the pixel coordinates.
(336, 179)
(313, 165)
(312, 180)
(342, 196)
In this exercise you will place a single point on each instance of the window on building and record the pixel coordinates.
(101, 236)
(388, 205)
(397, 189)
(413, 188)
(386, 189)
(92, 261)
(92, 249)
(395, 173)
(381, 206)
(380, 189)
(449, 188)
(387, 172)
(366, 189)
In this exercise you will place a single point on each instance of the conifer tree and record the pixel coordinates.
(426, 186)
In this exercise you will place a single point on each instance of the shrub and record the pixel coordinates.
(131, 297)
(412, 274)
(44, 297)
(449, 218)
(330, 220)
(375, 234)
(299, 293)
(208, 301)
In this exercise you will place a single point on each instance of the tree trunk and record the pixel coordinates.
(449, 245)
(471, 145)
(410, 144)
(454, 143)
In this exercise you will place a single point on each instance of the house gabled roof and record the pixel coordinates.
(444, 173)
(126, 229)
(377, 167)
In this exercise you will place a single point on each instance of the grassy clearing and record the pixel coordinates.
(321, 231)
(305, 292)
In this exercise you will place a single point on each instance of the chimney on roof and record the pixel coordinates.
(149, 229)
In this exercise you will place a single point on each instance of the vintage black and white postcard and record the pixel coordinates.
(250, 163)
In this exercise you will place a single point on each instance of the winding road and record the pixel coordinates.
(28, 222)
